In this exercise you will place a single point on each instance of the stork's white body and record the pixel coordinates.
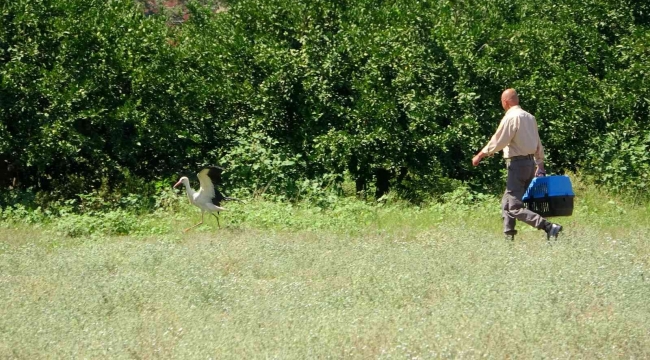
(207, 198)
(202, 198)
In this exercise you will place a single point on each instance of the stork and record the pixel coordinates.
(208, 198)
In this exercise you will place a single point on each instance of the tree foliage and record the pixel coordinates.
(394, 94)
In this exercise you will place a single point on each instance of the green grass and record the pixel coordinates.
(282, 281)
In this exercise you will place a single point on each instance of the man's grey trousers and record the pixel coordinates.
(521, 172)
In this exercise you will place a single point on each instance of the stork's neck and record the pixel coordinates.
(189, 190)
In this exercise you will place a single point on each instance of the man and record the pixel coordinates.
(518, 137)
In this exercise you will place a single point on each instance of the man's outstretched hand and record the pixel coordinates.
(477, 159)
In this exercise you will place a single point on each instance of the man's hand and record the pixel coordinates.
(540, 170)
(477, 159)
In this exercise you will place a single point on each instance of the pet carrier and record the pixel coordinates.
(550, 196)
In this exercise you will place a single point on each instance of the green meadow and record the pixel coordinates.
(354, 280)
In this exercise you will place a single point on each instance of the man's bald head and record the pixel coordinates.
(509, 98)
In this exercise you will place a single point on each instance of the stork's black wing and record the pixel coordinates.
(218, 197)
(214, 173)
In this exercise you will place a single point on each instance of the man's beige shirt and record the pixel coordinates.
(516, 135)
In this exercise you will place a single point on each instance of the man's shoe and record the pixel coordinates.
(509, 238)
(552, 230)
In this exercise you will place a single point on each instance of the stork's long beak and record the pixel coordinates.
(178, 183)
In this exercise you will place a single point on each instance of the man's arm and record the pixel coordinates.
(539, 159)
(501, 138)
(539, 154)
(477, 159)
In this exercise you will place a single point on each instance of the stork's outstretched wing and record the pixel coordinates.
(209, 176)
(214, 173)
(218, 197)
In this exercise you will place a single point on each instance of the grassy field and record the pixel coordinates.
(282, 281)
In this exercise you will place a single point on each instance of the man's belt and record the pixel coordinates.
(520, 157)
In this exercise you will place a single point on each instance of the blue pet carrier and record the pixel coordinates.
(550, 196)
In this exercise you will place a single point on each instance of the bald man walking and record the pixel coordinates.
(518, 137)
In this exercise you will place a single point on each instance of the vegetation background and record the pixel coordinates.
(310, 105)
(389, 94)
(354, 280)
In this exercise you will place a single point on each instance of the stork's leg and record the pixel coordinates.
(217, 217)
(192, 227)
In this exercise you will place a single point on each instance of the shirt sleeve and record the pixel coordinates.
(501, 138)
(539, 152)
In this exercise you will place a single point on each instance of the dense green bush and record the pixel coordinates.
(620, 161)
(398, 94)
